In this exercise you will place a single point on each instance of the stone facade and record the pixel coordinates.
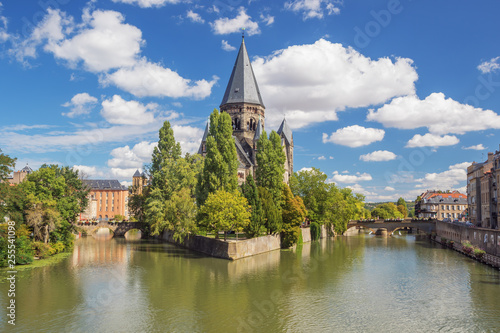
(439, 206)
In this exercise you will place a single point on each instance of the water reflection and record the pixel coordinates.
(348, 284)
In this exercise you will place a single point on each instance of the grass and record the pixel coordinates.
(49, 261)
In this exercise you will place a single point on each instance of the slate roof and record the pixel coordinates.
(258, 131)
(242, 152)
(204, 139)
(104, 184)
(137, 174)
(242, 86)
(27, 169)
(287, 132)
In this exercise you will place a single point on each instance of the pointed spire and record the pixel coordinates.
(258, 130)
(242, 86)
(204, 139)
(136, 174)
(286, 131)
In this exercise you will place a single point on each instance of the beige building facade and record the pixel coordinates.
(438, 205)
(107, 198)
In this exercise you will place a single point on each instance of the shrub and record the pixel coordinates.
(478, 253)
(450, 243)
(41, 249)
(467, 247)
(289, 236)
(58, 247)
(315, 231)
(444, 241)
(24, 250)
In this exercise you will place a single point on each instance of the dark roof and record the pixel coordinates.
(446, 200)
(242, 86)
(242, 152)
(204, 139)
(27, 169)
(137, 174)
(104, 184)
(287, 132)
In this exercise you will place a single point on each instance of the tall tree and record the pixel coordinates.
(250, 192)
(220, 167)
(271, 164)
(271, 213)
(168, 150)
(293, 214)
(7, 165)
(224, 211)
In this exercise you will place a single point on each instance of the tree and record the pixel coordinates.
(220, 167)
(224, 211)
(168, 149)
(271, 165)
(7, 165)
(250, 192)
(402, 207)
(293, 214)
(386, 211)
(271, 212)
(180, 214)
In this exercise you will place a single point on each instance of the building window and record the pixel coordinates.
(113, 195)
(106, 195)
(442, 215)
(442, 207)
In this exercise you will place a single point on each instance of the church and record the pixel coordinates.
(243, 102)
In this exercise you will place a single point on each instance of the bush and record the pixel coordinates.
(290, 236)
(315, 231)
(41, 249)
(24, 250)
(478, 253)
(467, 247)
(450, 244)
(58, 247)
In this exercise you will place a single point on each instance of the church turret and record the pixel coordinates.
(286, 136)
(203, 146)
(242, 99)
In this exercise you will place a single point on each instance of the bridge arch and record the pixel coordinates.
(133, 234)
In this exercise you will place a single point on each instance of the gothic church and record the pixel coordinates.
(243, 102)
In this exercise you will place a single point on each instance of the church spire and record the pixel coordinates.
(242, 86)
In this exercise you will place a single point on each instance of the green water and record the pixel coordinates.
(347, 284)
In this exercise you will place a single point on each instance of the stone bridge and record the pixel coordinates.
(381, 227)
(119, 229)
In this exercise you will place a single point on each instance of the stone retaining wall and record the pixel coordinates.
(486, 239)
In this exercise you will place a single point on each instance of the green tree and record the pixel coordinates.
(386, 211)
(402, 207)
(168, 150)
(220, 167)
(7, 165)
(224, 211)
(180, 214)
(271, 164)
(271, 212)
(250, 192)
(293, 214)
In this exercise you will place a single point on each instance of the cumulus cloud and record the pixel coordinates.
(80, 104)
(4, 36)
(431, 140)
(267, 19)
(305, 169)
(492, 65)
(224, 26)
(149, 79)
(378, 156)
(354, 136)
(313, 8)
(356, 188)
(390, 189)
(188, 137)
(194, 17)
(332, 77)
(119, 111)
(227, 47)
(452, 179)
(350, 179)
(132, 158)
(322, 158)
(475, 147)
(148, 3)
(439, 114)
(88, 171)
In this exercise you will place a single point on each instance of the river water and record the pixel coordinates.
(346, 284)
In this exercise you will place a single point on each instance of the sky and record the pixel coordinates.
(390, 98)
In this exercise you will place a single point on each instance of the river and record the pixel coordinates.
(346, 284)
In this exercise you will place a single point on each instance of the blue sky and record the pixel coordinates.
(390, 98)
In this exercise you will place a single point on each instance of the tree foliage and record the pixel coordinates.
(220, 167)
(7, 165)
(293, 213)
(250, 192)
(386, 211)
(271, 212)
(271, 165)
(224, 211)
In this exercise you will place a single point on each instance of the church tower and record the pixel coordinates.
(243, 102)
(286, 136)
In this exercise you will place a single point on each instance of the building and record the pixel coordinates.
(19, 176)
(139, 180)
(243, 102)
(438, 205)
(482, 191)
(107, 198)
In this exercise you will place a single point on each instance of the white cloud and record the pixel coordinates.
(188, 137)
(438, 114)
(346, 178)
(224, 26)
(354, 136)
(227, 47)
(119, 111)
(267, 19)
(122, 173)
(4, 36)
(132, 158)
(476, 147)
(390, 189)
(322, 158)
(313, 8)
(492, 65)
(149, 79)
(194, 17)
(148, 3)
(431, 140)
(88, 171)
(102, 43)
(451, 179)
(305, 169)
(356, 188)
(332, 77)
(331, 157)
(80, 104)
(378, 156)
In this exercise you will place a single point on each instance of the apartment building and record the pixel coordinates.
(107, 198)
(442, 205)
